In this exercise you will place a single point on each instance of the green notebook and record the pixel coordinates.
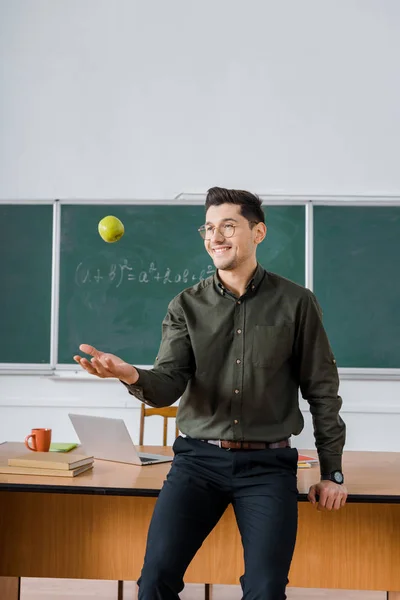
(59, 447)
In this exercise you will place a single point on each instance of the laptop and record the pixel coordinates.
(109, 439)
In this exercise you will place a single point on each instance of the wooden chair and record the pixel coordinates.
(167, 412)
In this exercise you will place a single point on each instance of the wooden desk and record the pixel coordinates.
(95, 527)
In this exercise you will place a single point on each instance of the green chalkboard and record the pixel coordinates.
(357, 282)
(114, 296)
(25, 296)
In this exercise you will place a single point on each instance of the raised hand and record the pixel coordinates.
(103, 364)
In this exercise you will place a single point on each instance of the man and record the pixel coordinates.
(235, 348)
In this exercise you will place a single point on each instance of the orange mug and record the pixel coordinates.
(41, 439)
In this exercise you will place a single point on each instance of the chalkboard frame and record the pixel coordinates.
(309, 201)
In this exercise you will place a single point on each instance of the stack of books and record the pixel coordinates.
(46, 463)
(305, 462)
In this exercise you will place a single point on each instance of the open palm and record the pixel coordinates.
(104, 364)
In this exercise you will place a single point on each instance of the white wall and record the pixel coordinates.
(122, 98)
(127, 99)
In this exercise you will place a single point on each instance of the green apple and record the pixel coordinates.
(111, 229)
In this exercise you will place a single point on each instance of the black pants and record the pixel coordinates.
(204, 479)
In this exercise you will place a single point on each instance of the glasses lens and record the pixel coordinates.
(207, 232)
(228, 230)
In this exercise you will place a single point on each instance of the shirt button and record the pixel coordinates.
(238, 361)
(334, 361)
(239, 331)
(236, 421)
(239, 302)
(236, 391)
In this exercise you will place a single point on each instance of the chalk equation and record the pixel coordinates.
(123, 272)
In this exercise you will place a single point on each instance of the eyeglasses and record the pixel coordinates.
(227, 230)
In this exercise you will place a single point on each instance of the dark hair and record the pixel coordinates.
(250, 204)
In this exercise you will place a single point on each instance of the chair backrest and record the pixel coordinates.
(167, 412)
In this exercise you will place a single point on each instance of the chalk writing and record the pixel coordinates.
(124, 272)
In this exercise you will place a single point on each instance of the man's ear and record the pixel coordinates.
(261, 232)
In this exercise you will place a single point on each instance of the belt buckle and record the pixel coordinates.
(220, 445)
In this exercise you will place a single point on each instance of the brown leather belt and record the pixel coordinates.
(228, 445)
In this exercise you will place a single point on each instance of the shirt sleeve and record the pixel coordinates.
(165, 383)
(319, 385)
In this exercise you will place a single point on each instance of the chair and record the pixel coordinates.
(168, 412)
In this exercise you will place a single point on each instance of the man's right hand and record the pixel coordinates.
(106, 365)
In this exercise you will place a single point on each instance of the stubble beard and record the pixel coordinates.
(228, 265)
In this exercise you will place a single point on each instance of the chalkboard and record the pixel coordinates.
(114, 296)
(357, 281)
(25, 297)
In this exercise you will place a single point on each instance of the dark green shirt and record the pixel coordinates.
(237, 365)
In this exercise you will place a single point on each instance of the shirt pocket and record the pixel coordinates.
(272, 344)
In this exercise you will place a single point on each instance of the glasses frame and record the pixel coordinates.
(202, 230)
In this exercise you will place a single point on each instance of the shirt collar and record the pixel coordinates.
(252, 286)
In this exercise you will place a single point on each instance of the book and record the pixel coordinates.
(303, 459)
(10, 470)
(60, 447)
(47, 460)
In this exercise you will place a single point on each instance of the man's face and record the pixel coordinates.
(228, 253)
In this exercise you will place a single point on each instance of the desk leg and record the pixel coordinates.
(10, 588)
(120, 590)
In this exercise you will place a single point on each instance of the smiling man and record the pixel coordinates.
(236, 348)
